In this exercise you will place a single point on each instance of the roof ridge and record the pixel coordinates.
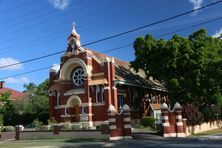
(105, 55)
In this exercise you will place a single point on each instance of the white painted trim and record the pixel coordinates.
(86, 115)
(179, 117)
(114, 87)
(60, 106)
(89, 68)
(72, 115)
(74, 92)
(96, 59)
(126, 119)
(90, 123)
(67, 115)
(112, 119)
(170, 135)
(165, 117)
(127, 126)
(98, 74)
(165, 124)
(111, 113)
(67, 67)
(179, 123)
(77, 100)
(83, 104)
(106, 87)
(112, 127)
(93, 104)
(181, 135)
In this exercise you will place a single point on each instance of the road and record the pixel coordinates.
(140, 140)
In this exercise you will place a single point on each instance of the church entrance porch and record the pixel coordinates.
(73, 108)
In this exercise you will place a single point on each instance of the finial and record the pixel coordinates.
(74, 29)
(73, 25)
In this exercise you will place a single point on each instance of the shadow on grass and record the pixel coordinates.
(83, 140)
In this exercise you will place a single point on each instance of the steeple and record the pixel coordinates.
(73, 39)
(74, 29)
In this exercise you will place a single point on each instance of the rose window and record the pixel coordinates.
(77, 76)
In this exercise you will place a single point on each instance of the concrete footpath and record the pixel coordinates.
(211, 137)
(149, 135)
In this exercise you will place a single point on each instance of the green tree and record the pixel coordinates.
(38, 97)
(37, 105)
(5, 96)
(190, 68)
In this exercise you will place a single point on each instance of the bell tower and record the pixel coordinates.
(73, 40)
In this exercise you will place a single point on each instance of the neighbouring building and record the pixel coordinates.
(88, 82)
(15, 95)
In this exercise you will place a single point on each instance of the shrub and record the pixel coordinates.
(1, 120)
(85, 125)
(192, 114)
(51, 121)
(67, 125)
(207, 113)
(28, 118)
(8, 129)
(76, 126)
(43, 117)
(37, 124)
(148, 121)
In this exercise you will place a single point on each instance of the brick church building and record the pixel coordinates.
(88, 82)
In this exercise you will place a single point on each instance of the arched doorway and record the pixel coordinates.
(73, 108)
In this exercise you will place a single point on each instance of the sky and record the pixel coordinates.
(30, 29)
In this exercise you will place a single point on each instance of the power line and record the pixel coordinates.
(25, 72)
(155, 23)
(61, 32)
(40, 69)
(16, 7)
(120, 34)
(27, 14)
(192, 26)
(52, 54)
(42, 21)
(51, 26)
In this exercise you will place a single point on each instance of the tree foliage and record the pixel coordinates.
(190, 68)
(5, 96)
(25, 112)
(38, 98)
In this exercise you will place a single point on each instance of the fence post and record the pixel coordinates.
(112, 123)
(56, 129)
(179, 124)
(18, 129)
(127, 122)
(165, 120)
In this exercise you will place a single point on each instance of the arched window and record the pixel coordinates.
(100, 97)
(57, 98)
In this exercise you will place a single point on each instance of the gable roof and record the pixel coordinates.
(155, 106)
(15, 95)
(124, 74)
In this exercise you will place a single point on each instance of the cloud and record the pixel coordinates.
(196, 4)
(60, 4)
(56, 67)
(217, 33)
(17, 80)
(9, 61)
